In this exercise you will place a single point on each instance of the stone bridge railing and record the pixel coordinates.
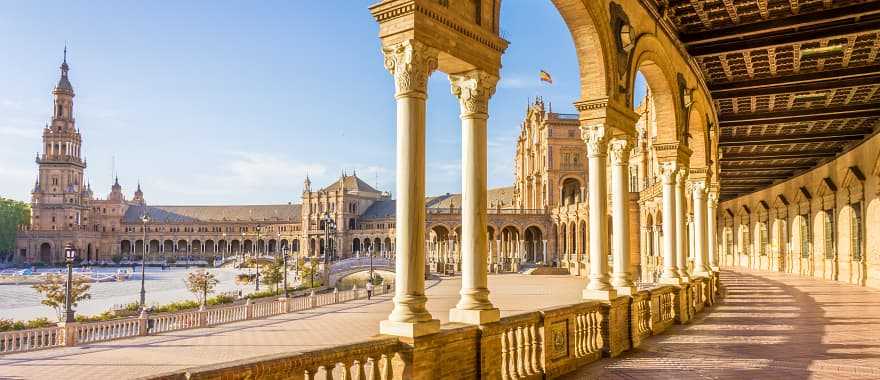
(73, 334)
(544, 343)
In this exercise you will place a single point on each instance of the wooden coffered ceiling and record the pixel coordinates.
(795, 82)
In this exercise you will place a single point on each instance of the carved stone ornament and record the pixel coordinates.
(682, 175)
(669, 170)
(473, 90)
(619, 149)
(559, 339)
(411, 63)
(596, 139)
(699, 187)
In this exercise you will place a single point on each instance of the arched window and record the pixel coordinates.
(856, 231)
(829, 233)
(60, 111)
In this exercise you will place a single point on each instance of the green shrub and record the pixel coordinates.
(221, 299)
(176, 306)
(10, 325)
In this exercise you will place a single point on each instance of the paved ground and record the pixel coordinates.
(331, 325)
(770, 326)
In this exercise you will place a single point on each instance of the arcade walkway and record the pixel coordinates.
(295, 332)
(770, 326)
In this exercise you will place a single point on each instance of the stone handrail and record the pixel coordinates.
(31, 340)
(370, 359)
(640, 314)
(107, 330)
(517, 340)
(72, 334)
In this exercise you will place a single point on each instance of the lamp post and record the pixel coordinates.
(257, 254)
(69, 255)
(144, 219)
(371, 264)
(329, 224)
(284, 253)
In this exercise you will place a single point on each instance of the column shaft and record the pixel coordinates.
(712, 232)
(410, 62)
(669, 171)
(701, 257)
(597, 144)
(621, 277)
(473, 90)
(681, 246)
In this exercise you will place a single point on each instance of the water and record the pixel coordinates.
(21, 302)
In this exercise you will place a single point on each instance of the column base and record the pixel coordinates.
(625, 290)
(409, 329)
(671, 281)
(474, 317)
(706, 274)
(601, 295)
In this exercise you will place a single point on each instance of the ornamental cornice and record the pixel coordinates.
(390, 10)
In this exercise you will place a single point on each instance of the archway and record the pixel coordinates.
(46, 253)
(571, 191)
(534, 241)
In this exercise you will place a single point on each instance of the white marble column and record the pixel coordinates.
(598, 287)
(701, 256)
(619, 151)
(681, 246)
(712, 231)
(411, 63)
(669, 172)
(473, 90)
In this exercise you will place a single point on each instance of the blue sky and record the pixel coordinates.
(234, 102)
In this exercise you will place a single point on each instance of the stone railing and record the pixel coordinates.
(371, 359)
(545, 343)
(31, 340)
(72, 334)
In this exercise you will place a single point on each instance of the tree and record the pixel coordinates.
(201, 283)
(273, 274)
(308, 268)
(12, 215)
(53, 289)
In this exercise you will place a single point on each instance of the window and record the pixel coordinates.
(805, 236)
(747, 241)
(731, 244)
(762, 240)
(856, 232)
(829, 234)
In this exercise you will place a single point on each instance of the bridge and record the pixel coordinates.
(347, 267)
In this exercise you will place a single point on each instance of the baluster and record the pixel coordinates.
(309, 374)
(328, 369)
(536, 347)
(520, 352)
(505, 357)
(527, 351)
(580, 341)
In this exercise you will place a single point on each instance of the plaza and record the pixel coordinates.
(711, 208)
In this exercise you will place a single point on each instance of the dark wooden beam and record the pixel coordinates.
(826, 16)
(849, 72)
(778, 156)
(737, 42)
(764, 168)
(785, 88)
(796, 138)
(751, 176)
(796, 116)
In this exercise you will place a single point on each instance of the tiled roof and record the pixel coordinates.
(252, 213)
(351, 182)
(386, 208)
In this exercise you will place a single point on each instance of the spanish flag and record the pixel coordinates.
(545, 77)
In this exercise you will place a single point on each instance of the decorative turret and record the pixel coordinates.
(116, 192)
(139, 196)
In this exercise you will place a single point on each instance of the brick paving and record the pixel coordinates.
(294, 332)
(770, 326)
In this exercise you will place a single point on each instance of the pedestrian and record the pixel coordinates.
(369, 289)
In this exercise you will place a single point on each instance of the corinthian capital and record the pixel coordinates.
(713, 199)
(682, 175)
(619, 150)
(669, 170)
(411, 63)
(473, 89)
(596, 139)
(699, 188)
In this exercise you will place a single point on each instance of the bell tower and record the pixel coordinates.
(57, 196)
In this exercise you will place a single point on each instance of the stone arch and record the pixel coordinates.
(196, 246)
(182, 245)
(222, 246)
(154, 246)
(652, 61)
(45, 252)
(168, 245)
(571, 190)
(356, 245)
(125, 247)
(534, 240)
(588, 23)
(698, 142)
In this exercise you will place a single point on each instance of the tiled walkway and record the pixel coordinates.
(295, 332)
(770, 326)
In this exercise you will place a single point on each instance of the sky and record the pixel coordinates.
(232, 102)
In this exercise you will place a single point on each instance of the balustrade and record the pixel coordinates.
(108, 330)
(30, 340)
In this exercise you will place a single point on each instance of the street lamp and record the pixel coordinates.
(69, 255)
(284, 253)
(329, 224)
(145, 219)
(257, 254)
